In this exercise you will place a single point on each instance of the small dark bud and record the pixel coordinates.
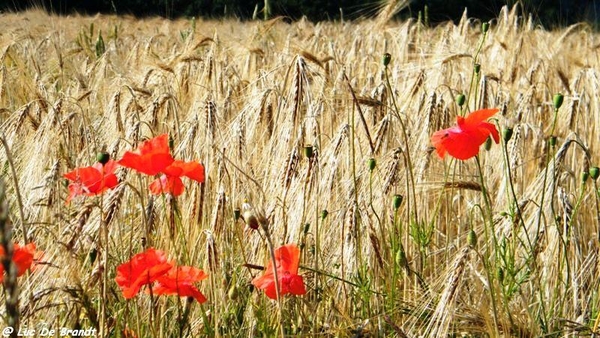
(500, 275)
(372, 164)
(306, 228)
(477, 68)
(387, 58)
(507, 134)
(488, 143)
(460, 99)
(558, 100)
(236, 213)
(594, 173)
(552, 141)
(309, 151)
(397, 201)
(103, 157)
(171, 142)
(324, 214)
(485, 27)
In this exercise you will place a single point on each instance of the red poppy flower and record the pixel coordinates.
(170, 182)
(23, 257)
(91, 181)
(152, 156)
(143, 268)
(463, 141)
(288, 260)
(180, 281)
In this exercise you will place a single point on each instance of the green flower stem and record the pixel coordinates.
(406, 152)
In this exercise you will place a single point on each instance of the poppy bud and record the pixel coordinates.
(477, 68)
(401, 260)
(397, 201)
(387, 57)
(594, 172)
(233, 292)
(488, 144)
(308, 151)
(460, 99)
(92, 256)
(584, 176)
(171, 142)
(372, 163)
(324, 214)
(236, 214)
(485, 27)
(103, 157)
(558, 100)
(500, 275)
(552, 141)
(472, 238)
(503, 213)
(507, 134)
(306, 228)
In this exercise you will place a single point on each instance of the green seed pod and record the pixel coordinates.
(306, 228)
(171, 142)
(372, 164)
(477, 68)
(507, 134)
(401, 260)
(308, 151)
(397, 201)
(500, 275)
(488, 144)
(460, 99)
(233, 292)
(236, 213)
(584, 176)
(324, 214)
(485, 27)
(594, 172)
(103, 157)
(472, 238)
(503, 213)
(552, 141)
(387, 58)
(558, 100)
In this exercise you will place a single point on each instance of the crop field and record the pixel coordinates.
(153, 172)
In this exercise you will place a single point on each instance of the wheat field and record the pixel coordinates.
(332, 150)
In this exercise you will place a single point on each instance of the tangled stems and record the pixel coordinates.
(489, 221)
(511, 187)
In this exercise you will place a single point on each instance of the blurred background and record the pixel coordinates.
(547, 13)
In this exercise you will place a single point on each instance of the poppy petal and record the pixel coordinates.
(479, 116)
